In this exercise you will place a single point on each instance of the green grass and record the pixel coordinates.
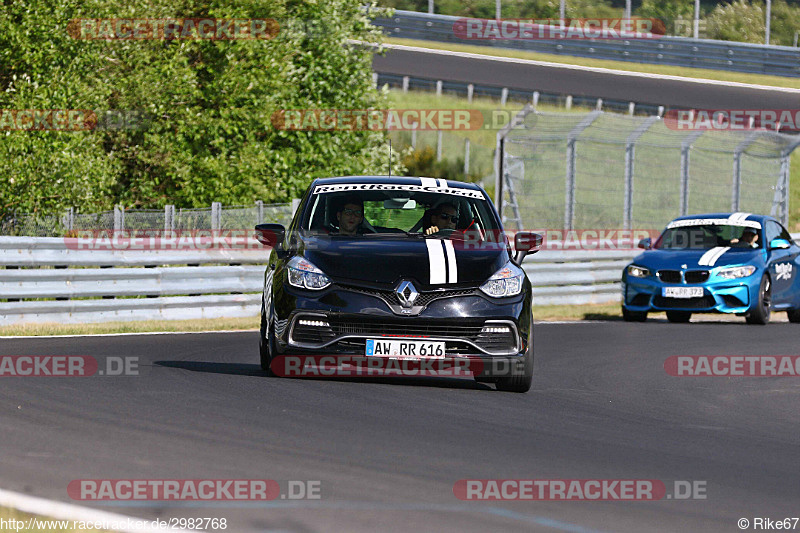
(720, 75)
(216, 324)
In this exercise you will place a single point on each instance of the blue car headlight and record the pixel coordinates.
(505, 282)
(304, 275)
(737, 272)
(638, 272)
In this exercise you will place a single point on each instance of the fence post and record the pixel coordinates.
(119, 218)
(499, 155)
(259, 211)
(216, 216)
(375, 78)
(504, 96)
(535, 99)
(405, 84)
(631, 108)
(686, 145)
(466, 158)
(599, 106)
(414, 137)
(439, 145)
(780, 200)
(736, 193)
(569, 207)
(470, 90)
(568, 102)
(69, 219)
(169, 217)
(439, 88)
(630, 158)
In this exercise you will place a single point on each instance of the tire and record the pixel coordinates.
(759, 312)
(794, 315)
(633, 316)
(266, 345)
(679, 317)
(520, 383)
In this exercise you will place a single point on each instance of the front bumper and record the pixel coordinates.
(719, 295)
(339, 320)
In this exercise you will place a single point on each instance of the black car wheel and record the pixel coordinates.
(679, 316)
(633, 316)
(759, 312)
(266, 344)
(794, 315)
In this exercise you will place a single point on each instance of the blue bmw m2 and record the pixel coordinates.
(736, 263)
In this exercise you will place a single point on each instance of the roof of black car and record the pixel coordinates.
(400, 180)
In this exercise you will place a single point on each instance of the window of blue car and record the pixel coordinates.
(703, 237)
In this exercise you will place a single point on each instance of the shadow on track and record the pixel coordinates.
(244, 369)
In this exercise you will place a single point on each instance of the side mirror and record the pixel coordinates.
(646, 243)
(526, 242)
(271, 235)
(779, 244)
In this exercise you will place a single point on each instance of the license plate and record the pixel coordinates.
(405, 349)
(682, 292)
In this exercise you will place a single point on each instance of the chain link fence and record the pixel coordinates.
(217, 217)
(601, 170)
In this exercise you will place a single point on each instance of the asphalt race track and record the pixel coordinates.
(655, 90)
(388, 452)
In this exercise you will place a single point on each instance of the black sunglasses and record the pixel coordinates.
(451, 218)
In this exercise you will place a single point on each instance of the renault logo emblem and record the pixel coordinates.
(406, 293)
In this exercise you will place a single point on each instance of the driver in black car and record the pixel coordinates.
(444, 217)
(350, 216)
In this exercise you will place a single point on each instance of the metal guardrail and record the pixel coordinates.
(222, 286)
(677, 51)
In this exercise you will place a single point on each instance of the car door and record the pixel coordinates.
(782, 263)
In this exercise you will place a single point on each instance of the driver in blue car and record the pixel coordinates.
(444, 217)
(749, 238)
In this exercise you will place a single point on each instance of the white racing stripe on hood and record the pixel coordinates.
(452, 267)
(436, 260)
(739, 217)
(711, 257)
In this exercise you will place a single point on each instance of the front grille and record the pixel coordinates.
(423, 298)
(403, 328)
(669, 276)
(457, 335)
(696, 276)
(704, 302)
(732, 301)
(312, 334)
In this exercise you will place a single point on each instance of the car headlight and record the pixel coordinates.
(505, 282)
(737, 272)
(304, 275)
(638, 272)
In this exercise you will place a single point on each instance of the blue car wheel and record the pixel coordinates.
(759, 312)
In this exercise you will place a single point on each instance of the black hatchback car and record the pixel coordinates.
(387, 267)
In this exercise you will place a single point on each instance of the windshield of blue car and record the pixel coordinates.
(399, 213)
(705, 237)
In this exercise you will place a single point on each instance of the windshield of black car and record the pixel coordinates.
(707, 236)
(393, 213)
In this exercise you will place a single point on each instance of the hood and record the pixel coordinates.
(385, 261)
(697, 259)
